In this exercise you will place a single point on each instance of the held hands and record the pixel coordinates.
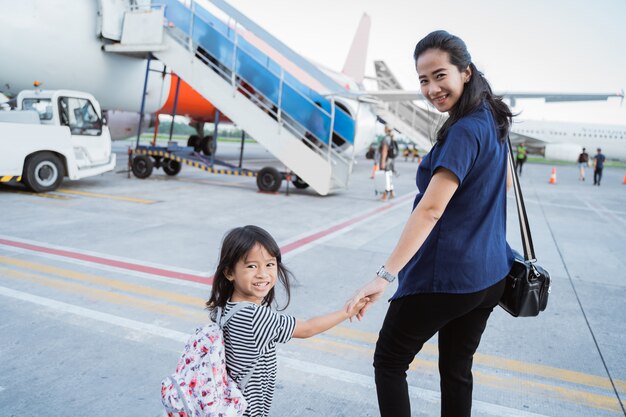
(371, 292)
(357, 307)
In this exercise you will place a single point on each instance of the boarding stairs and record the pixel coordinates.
(415, 123)
(303, 129)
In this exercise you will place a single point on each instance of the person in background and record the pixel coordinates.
(521, 157)
(598, 166)
(387, 157)
(583, 162)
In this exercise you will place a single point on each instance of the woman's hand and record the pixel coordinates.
(356, 308)
(372, 291)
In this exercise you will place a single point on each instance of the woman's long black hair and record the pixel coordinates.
(476, 90)
(235, 246)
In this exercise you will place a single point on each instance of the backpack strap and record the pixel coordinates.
(221, 322)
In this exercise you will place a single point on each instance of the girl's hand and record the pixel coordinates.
(354, 311)
(372, 291)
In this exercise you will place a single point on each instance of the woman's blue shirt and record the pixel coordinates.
(467, 250)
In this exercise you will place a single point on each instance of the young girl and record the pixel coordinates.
(249, 266)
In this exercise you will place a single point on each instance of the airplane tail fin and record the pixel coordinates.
(385, 78)
(355, 61)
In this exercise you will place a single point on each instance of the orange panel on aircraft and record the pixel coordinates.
(190, 103)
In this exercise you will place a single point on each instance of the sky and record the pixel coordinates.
(522, 45)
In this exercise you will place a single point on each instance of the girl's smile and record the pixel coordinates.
(254, 275)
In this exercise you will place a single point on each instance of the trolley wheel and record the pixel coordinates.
(194, 140)
(299, 183)
(208, 145)
(43, 172)
(268, 179)
(171, 167)
(142, 166)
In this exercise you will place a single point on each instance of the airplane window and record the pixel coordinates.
(41, 106)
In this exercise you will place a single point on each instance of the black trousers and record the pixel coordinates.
(597, 176)
(460, 320)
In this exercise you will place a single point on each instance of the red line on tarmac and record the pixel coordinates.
(315, 236)
(190, 277)
(109, 262)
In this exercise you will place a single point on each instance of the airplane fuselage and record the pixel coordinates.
(565, 140)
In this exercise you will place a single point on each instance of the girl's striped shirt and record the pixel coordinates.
(250, 338)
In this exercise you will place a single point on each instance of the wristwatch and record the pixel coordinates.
(386, 275)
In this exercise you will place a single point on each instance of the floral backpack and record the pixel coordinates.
(200, 386)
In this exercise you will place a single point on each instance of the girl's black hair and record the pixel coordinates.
(476, 90)
(235, 246)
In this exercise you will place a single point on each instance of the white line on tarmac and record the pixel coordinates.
(602, 211)
(421, 393)
(308, 367)
(568, 206)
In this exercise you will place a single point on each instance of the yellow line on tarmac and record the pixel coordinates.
(116, 298)
(106, 282)
(42, 195)
(107, 196)
(342, 332)
(502, 363)
(518, 385)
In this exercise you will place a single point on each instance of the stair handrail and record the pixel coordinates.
(296, 130)
(197, 11)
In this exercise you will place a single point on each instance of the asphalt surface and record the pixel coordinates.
(102, 281)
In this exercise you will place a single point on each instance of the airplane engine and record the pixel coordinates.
(562, 151)
(124, 124)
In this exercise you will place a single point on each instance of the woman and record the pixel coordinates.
(452, 256)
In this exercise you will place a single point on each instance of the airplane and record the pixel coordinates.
(43, 31)
(116, 79)
(562, 141)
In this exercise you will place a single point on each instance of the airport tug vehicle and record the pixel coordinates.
(51, 135)
(143, 159)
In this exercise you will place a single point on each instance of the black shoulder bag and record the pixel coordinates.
(527, 284)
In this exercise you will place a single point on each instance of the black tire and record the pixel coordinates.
(142, 166)
(194, 141)
(208, 145)
(171, 167)
(299, 183)
(268, 179)
(43, 172)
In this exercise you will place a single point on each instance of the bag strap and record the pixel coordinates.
(221, 322)
(527, 241)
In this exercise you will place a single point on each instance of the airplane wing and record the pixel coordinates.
(389, 90)
(398, 108)
(390, 95)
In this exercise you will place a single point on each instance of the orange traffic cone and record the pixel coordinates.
(374, 169)
(553, 176)
(624, 178)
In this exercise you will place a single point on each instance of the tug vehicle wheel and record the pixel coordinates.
(43, 172)
(268, 179)
(171, 167)
(299, 183)
(142, 166)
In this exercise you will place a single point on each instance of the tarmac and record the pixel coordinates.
(102, 281)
